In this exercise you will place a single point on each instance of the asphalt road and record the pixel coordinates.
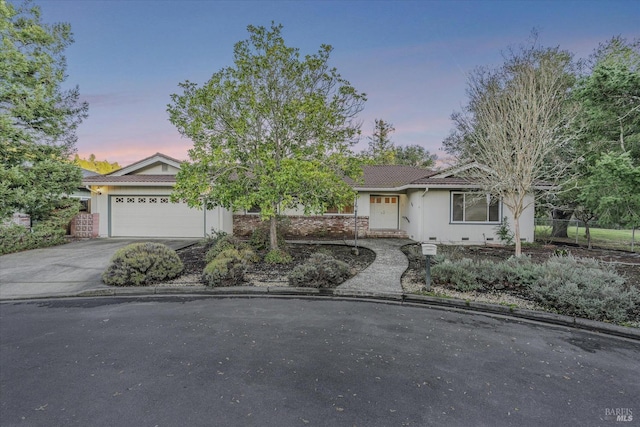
(184, 361)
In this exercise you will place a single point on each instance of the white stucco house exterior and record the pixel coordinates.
(396, 201)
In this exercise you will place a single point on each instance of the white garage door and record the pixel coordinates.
(153, 216)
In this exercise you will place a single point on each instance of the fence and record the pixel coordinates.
(609, 238)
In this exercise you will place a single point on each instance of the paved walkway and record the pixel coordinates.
(385, 273)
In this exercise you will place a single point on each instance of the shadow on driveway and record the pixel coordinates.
(63, 269)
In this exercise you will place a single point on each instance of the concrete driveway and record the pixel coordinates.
(64, 269)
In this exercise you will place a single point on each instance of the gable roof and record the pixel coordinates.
(127, 177)
(141, 164)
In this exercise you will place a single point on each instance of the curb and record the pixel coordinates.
(380, 297)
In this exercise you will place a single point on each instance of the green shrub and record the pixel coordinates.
(461, 275)
(277, 256)
(45, 233)
(514, 273)
(141, 264)
(504, 233)
(223, 243)
(229, 265)
(576, 287)
(260, 239)
(320, 271)
(585, 288)
(223, 271)
(414, 253)
(212, 239)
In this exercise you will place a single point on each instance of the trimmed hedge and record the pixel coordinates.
(142, 264)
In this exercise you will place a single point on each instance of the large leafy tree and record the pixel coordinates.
(609, 95)
(414, 155)
(38, 118)
(514, 125)
(612, 190)
(99, 166)
(381, 150)
(273, 131)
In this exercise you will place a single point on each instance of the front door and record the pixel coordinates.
(383, 212)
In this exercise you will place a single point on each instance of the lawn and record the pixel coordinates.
(602, 237)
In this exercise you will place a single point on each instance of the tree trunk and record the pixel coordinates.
(273, 233)
(560, 222)
(587, 233)
(516, 226)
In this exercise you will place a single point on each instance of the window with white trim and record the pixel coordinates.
(345, 210)
(475, 208)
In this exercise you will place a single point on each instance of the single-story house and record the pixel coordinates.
(393, 201)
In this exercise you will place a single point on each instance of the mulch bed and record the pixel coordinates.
(194, 262)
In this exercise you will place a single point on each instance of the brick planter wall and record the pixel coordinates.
(85, 225)
(333, 226)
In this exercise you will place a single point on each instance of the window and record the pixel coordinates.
(474, 207)
(387, 200)
(345, 210)
(255, 209)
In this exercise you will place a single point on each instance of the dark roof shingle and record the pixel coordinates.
(389, 176)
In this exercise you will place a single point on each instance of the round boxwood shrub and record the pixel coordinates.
(141, 264)
(228, 267)
(320, 271)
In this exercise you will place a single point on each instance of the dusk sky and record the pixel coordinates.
(412, 58)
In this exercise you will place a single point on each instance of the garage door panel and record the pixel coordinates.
(153, 216)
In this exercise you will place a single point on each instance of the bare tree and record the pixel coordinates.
(516, 124)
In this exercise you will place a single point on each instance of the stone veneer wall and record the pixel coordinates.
(334, 226)
(85, 225)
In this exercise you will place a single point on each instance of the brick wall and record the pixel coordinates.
(334, 226)
(85, 225)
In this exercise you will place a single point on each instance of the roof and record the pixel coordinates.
(87, 172)
(148, 161)
(389, 176)
(109, 179)
(374, 177)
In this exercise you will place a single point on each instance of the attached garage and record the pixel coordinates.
(135, 202)
(154, 216)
